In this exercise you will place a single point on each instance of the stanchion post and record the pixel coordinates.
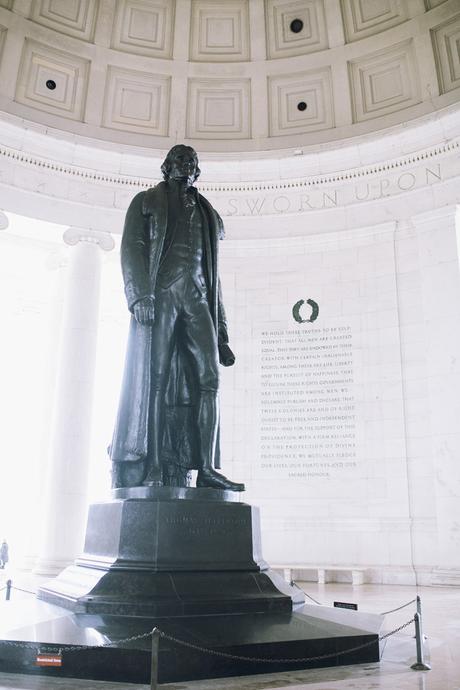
(420, 664)
(419, 611)
(154, 664)
(9, 584)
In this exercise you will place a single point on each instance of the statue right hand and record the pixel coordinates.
(144, 311)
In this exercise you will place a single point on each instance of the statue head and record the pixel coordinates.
(181, 156)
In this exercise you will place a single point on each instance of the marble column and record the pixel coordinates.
(57, 263)
(439, 257)
(62, 532)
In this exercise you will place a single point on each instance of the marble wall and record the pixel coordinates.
(344, 428)
(351, 452)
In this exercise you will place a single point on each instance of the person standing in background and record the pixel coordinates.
(4, 558)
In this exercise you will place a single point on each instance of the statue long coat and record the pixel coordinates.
(142, 245)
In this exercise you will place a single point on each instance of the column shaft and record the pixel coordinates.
(66, 493)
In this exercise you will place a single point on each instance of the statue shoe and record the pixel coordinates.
(213, 480)
(153, 478)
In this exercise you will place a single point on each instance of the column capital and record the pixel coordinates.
(104, 240)
(4, 221)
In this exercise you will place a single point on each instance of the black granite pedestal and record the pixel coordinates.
(171, 552)
(310, 631)
(187, 561)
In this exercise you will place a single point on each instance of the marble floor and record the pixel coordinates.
(441, 619)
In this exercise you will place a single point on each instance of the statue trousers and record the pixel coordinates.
(183, 321)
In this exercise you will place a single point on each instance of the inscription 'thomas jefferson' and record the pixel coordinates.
(193, 526)
(203, 521)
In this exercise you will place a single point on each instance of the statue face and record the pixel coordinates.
(183, 165)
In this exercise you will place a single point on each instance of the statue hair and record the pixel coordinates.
(166, 165)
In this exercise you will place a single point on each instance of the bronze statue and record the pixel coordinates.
(168, 418)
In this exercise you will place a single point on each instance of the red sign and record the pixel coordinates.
(48, 660)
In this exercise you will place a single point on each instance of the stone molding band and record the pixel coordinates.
(310, 181)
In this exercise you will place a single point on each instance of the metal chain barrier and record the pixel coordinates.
(264, 660)
(26, 591)
(133, 638)
(73, 648)
(385, 613)
(205, 650)
(412, 601)
(309, 596)
(293, 583)
(156, 633)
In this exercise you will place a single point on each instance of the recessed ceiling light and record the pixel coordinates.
(296, 26)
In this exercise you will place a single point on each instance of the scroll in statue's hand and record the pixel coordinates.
(144, 311)
(226, 356)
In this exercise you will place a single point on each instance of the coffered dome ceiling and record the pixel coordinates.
(227, 75)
